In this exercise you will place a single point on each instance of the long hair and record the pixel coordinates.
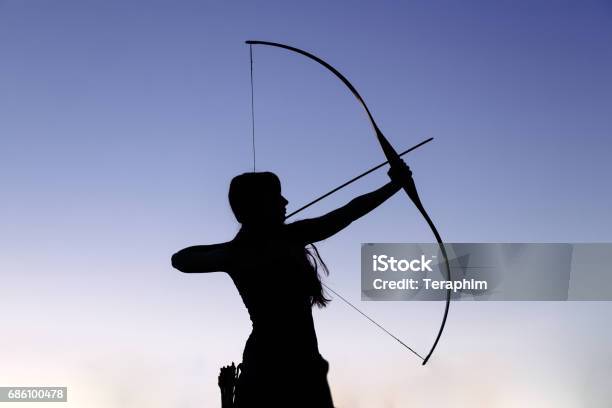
(244, 194)
(318, 294)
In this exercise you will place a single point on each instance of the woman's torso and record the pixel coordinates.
(275, 280)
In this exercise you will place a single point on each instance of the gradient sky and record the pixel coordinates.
(121, 124)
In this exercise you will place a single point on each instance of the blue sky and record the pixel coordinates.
(121, 124)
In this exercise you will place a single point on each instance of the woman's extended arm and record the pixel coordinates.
(203, 258)
(320, 228)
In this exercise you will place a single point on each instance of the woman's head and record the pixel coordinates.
(256, 199)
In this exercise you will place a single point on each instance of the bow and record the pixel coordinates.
(394, 160)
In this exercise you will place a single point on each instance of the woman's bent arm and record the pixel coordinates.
(202, 258)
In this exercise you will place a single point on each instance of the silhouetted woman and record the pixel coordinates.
(278, 279)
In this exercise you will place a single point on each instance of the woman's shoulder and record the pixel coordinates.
(285, 234)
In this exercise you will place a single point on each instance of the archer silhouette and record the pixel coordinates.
(278, 278)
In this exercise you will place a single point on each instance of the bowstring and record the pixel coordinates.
(374, 322)
(252, 106)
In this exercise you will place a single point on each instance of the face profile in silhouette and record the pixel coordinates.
(256, 199)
